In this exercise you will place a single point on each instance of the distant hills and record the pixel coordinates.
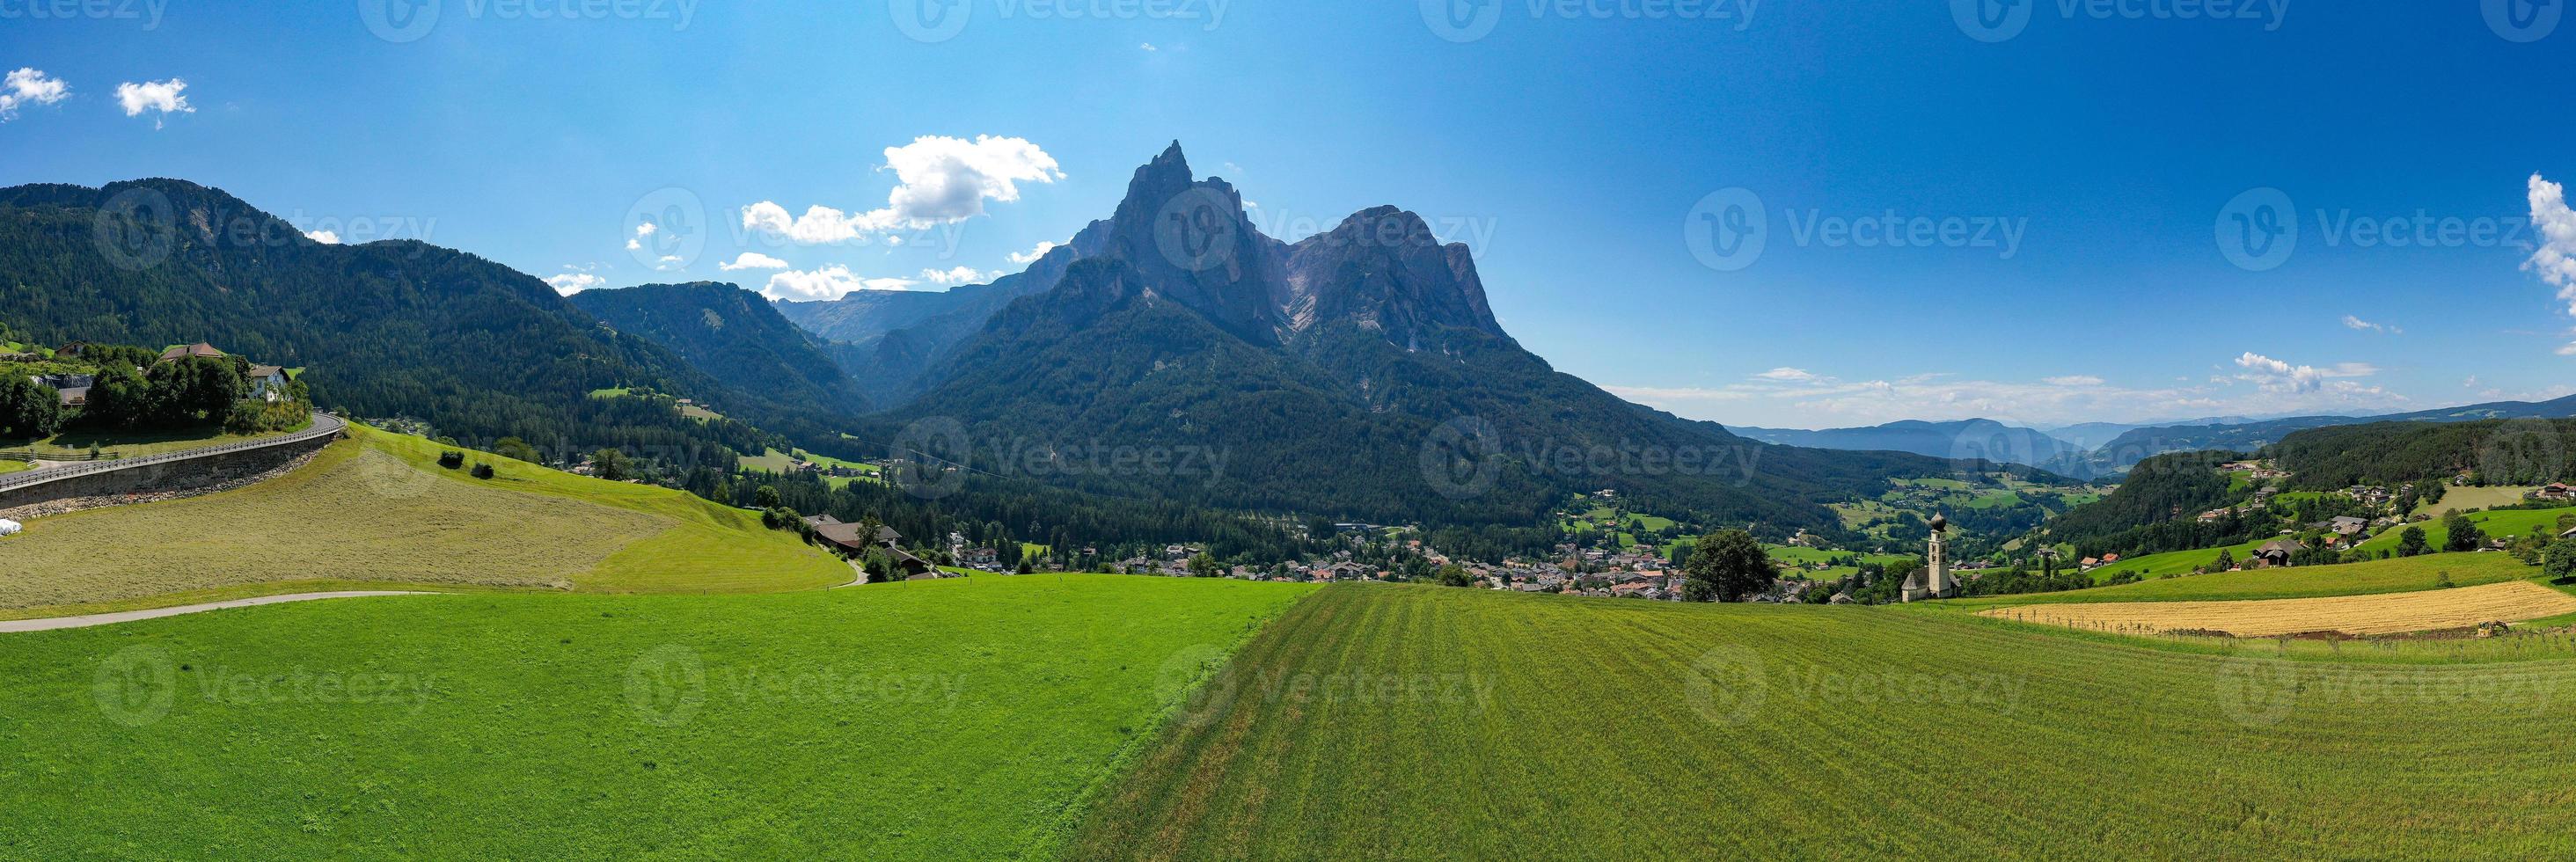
(1967, 438)
(2103, 449)
(2137, 444)
(391, 328)
(733, 335)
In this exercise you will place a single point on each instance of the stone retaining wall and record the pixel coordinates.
(166, 480)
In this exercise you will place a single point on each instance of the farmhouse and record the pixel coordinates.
(2278, 552)
(2348, 525)
(2554, 491)
(846, 536)
(199, 350)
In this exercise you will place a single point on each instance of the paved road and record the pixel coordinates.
(324, 425)
(51, 624)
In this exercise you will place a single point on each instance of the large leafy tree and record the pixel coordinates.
(2464, 534)
(1727, 566)
(28, 410)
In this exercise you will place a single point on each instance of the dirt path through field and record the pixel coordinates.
(82, 622)
(2391, 613)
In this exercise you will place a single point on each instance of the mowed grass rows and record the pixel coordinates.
(958, 719)
(377, 509)
(1415, 722)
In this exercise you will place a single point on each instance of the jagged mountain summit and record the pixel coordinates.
(1356, 372)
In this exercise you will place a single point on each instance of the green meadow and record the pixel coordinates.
(376, 509)
(2396, 575)
(961, 719)
(1424, 723)
(2497, 525)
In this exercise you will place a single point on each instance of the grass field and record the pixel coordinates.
(2298, 582)
(2464, 498)
(2511, 522)
(2383, 614)
(7, 466)
(1800, 562)
(775, 461)
(2152, 566)
(1416, 722)
(377, 509)
(948, 719)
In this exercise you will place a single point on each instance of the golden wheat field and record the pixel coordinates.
(2389, 613)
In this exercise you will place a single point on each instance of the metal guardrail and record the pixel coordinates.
(324, 425)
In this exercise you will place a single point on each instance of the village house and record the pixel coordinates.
(845, 538)
(2278, 552)
(199, 350)
(2347, 525)
(267, 382)
(2555, 491)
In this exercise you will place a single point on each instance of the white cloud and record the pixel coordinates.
(959, 275)
(828, 283)
(642, 230)
(1785, 373)
(1149, 46)
(2073, 380)
(937, 180)
(2555, 260)
(323, 236)
(667, 263)
(752, 260)
(162, 97)
(2359, 325)
(2274, 375)
(571, 282)
(29, 87)
(1032, 255)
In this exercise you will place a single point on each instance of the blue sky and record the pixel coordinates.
(2071, 168)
